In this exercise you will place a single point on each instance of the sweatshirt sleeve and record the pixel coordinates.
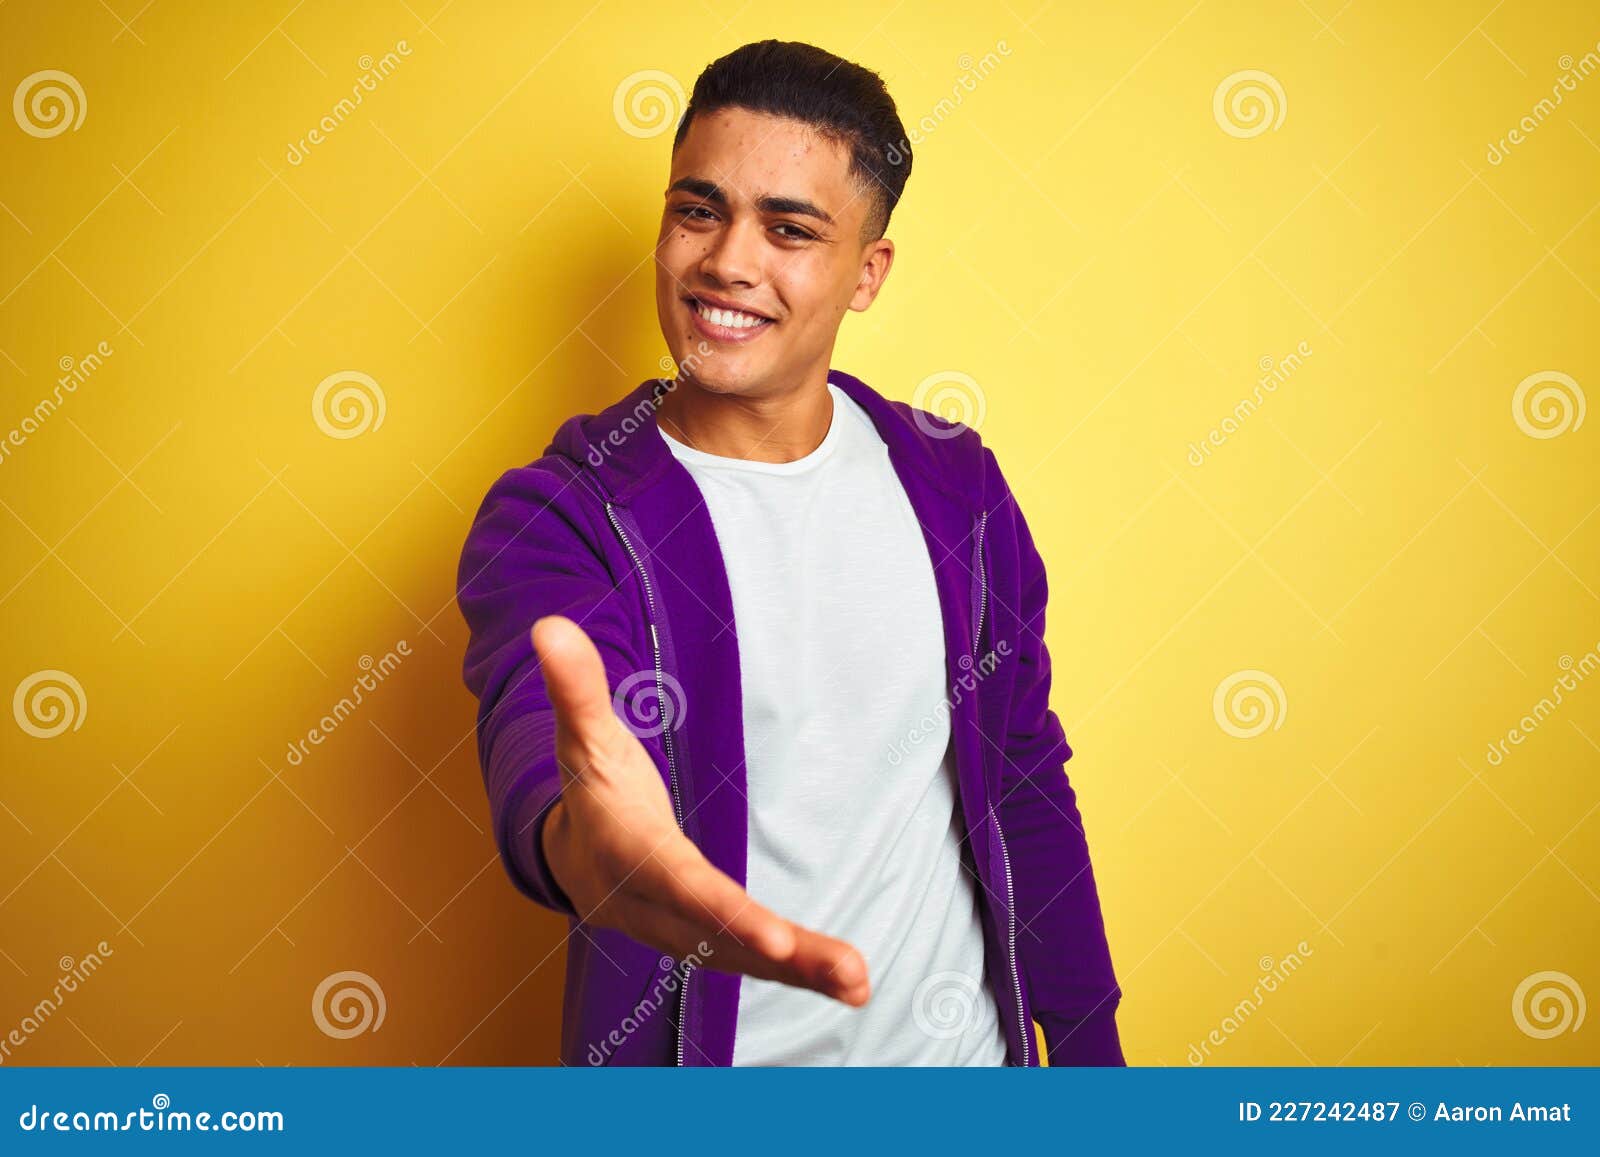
(532, 551)
(1061, 939)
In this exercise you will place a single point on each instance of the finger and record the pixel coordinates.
(680, 878)
(819, 963)
(575, 677)
(755, 940)
(664, 929)
(831, 966)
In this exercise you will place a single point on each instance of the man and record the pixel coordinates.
(760, 661)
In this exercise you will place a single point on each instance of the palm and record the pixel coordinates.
(615, 847)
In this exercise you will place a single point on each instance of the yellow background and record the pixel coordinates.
(1080, 236)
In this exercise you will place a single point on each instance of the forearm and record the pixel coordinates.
(524, 786)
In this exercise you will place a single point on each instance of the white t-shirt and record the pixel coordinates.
(854, 823)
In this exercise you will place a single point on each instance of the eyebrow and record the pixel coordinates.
(712, 192)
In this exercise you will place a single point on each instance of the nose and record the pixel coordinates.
(734, 258)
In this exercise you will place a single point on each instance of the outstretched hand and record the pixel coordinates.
(614, 846)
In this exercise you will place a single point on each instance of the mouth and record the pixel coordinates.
(720, 321)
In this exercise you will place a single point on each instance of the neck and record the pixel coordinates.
(779, 427)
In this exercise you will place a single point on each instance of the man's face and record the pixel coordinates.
(762, 215)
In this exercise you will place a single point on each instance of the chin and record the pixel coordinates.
(716, 374)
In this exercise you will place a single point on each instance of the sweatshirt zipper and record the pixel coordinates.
(1005, 856)
(1011, 939)
(666, 740)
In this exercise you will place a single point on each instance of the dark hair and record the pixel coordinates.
(844, 102)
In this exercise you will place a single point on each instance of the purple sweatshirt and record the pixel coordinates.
(610, 530)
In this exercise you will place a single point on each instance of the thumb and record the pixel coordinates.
(575, 677)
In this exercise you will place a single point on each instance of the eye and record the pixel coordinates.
(688, 211)
(798, 233)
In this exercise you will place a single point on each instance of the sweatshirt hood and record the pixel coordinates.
(621, 449)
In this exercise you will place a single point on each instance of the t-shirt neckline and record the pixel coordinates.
(689, 455)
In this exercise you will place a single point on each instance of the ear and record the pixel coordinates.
(876, 260)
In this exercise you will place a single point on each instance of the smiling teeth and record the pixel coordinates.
(728, 317)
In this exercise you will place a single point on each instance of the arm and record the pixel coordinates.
(1061, 938)
(529, 554)
(581, 812)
